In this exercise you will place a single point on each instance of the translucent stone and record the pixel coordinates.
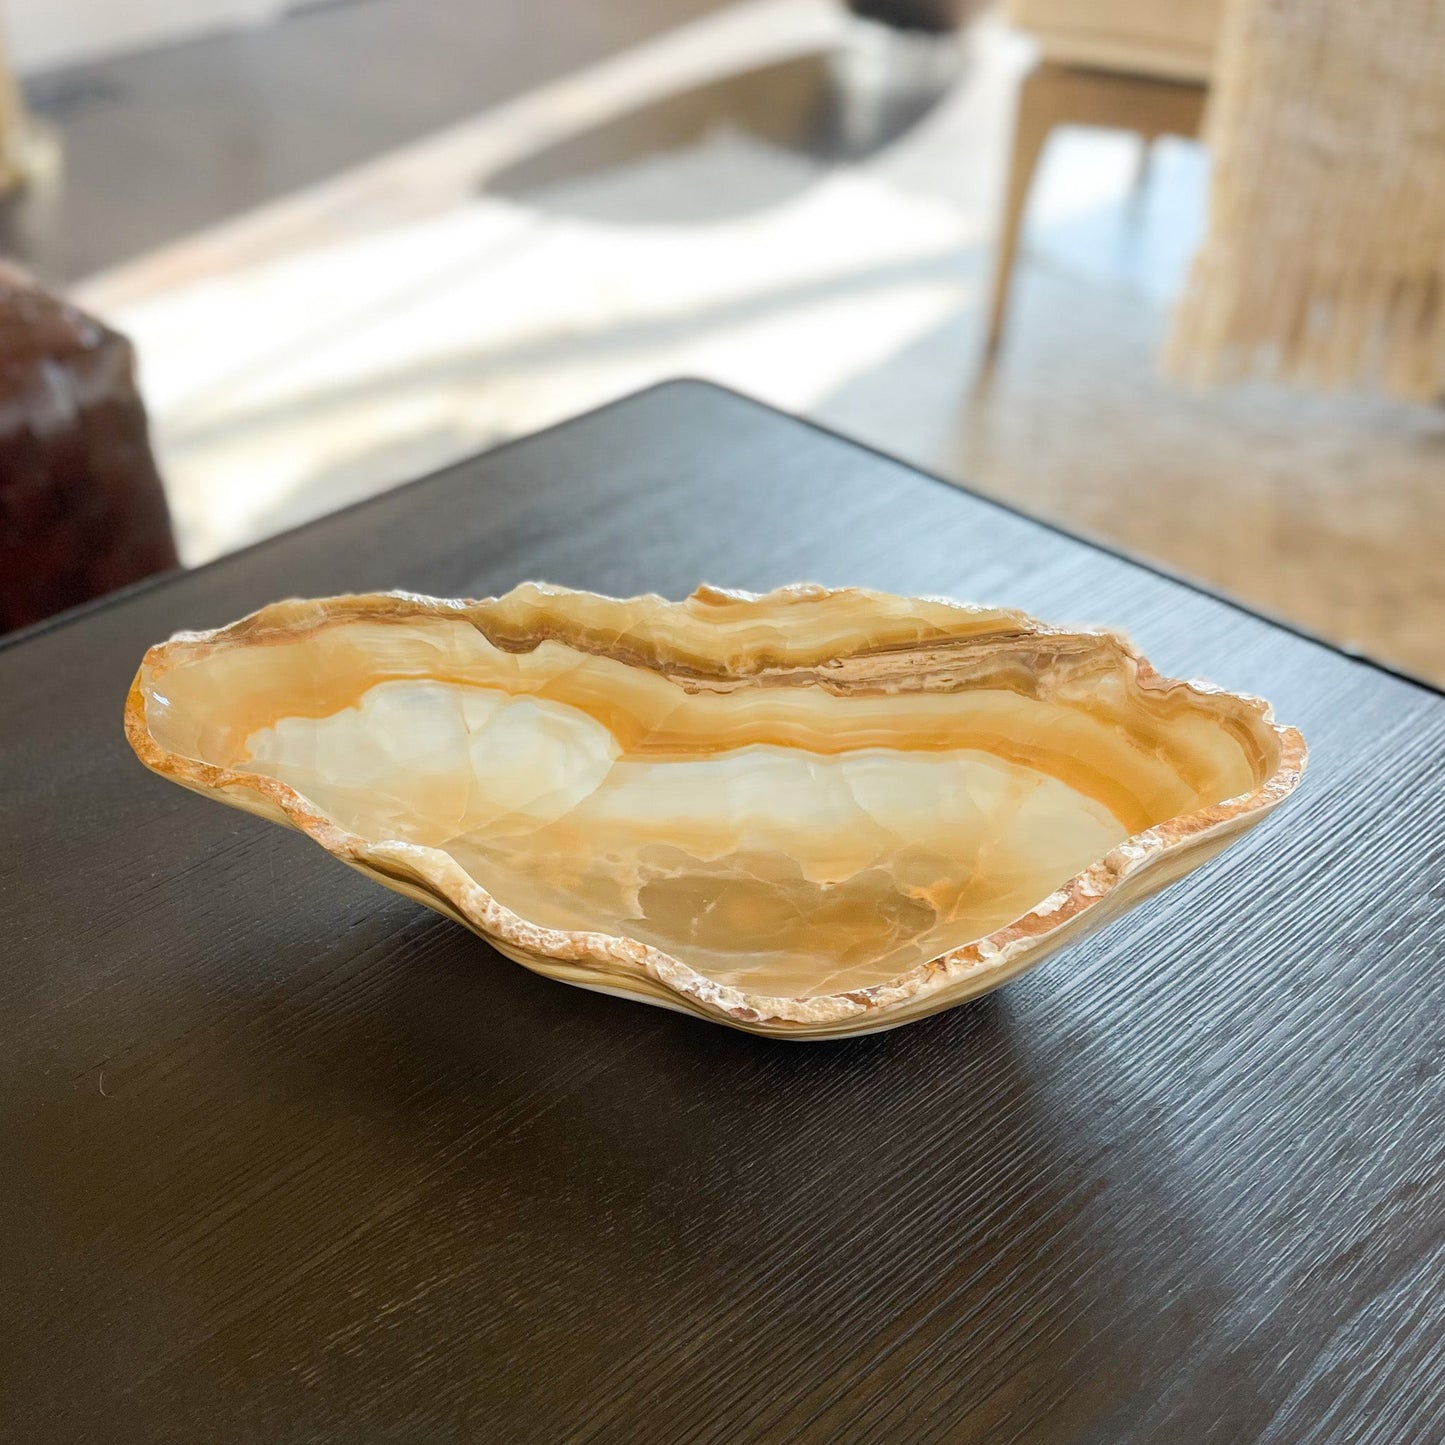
(810, 813)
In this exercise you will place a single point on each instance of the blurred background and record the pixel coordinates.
(353, 240)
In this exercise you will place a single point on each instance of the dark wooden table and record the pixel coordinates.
(287, 1158)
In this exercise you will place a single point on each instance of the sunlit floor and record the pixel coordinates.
(780, 199)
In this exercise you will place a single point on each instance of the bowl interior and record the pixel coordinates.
(792, 831)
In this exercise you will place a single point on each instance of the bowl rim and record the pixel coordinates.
(433, 876)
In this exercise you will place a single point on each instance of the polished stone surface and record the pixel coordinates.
(796, 796)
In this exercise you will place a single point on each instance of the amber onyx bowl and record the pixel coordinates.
(812, 813)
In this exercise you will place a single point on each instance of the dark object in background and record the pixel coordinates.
(935, 16)
(82, 511)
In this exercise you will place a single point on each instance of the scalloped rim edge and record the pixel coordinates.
(433, 876)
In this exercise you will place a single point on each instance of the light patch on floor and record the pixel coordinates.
(363, 364)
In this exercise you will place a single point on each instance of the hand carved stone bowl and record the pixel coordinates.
(810, 814)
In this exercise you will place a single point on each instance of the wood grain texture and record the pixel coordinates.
(289, 1158)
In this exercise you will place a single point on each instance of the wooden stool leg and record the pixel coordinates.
(1054, 95)
(1037, 116)
(1143, 171)
(16, 132)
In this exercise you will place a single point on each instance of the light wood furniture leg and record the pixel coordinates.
(1143, 170)
(16, 135)
(1054, 95)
